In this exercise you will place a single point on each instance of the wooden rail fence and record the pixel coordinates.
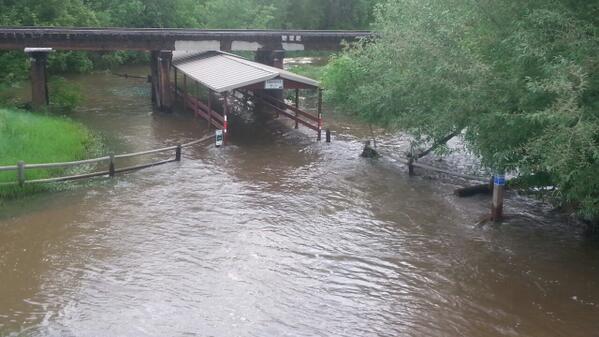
(497, 184)
(201, 110)
(292, 112)
(110, 170)
(412, 163)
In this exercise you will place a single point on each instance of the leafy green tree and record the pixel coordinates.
(148, 13)
(324, 14)
(238, 14)
(519, 79)
(46, 13)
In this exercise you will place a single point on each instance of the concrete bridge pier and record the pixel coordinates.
(273, 58)
(39, 76)
(160, 66)
(153, 79)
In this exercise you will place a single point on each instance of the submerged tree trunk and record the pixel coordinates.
(437, 144)
(470, 191)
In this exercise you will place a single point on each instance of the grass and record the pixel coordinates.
(38, 138)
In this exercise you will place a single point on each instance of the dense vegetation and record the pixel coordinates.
(518, 79)
(33, 138)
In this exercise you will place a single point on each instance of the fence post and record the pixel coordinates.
(21, 173)
(498, 194)
(111, 171)
(411, 160)
(178, 153)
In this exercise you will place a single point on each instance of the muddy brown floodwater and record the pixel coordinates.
(277, 235)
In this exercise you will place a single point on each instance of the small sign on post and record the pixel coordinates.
(500, 180)
(276, 84)
(220, 137)
(498, 195)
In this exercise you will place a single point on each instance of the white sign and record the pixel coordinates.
(274, 84)
(219, 137)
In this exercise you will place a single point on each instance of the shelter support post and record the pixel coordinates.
(39, 79)
(184, 83)
(225, 118)
(319, 114)
(498, 195)
(164, 86)
(210, 109)
(176, 89)
(197, 97)
(296, 106)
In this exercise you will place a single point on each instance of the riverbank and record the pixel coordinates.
(37, 138)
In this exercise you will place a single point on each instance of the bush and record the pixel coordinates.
(71, 61)
(64, 96)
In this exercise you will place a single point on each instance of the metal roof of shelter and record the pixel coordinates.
(222, 71)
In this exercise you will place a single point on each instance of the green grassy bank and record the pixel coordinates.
(38, 138)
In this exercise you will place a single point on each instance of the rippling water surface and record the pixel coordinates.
(277, 235)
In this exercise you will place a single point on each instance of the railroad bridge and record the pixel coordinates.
(269, 45)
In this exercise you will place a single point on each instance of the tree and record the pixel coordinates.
(238, 14)
(519, 78)
(325, 14)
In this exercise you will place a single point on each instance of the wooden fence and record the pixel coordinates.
(201, 109)
(110, 169)
(411, 164)
(292, 112)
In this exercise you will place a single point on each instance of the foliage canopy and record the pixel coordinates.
(520, 79)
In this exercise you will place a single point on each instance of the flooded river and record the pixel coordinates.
(278, 235)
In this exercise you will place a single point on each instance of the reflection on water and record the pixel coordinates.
(277, 235)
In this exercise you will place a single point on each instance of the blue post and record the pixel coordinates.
(498, 194)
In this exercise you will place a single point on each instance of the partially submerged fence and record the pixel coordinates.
(411, 164)
(496, 183)
(201, 109)
(110, 167)
(299, 116)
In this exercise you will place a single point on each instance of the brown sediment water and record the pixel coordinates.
(278, 235)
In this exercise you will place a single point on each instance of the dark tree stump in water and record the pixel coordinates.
(592, 229)
(474, 190)
(369, 152)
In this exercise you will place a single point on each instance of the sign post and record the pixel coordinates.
(220, 137)
(498, 193)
